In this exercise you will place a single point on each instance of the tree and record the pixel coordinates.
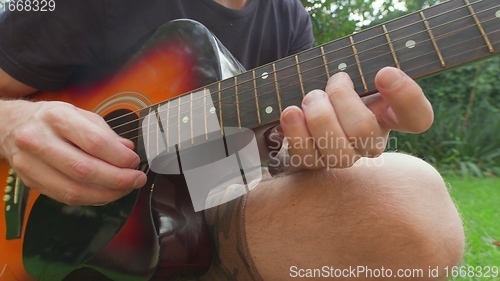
(333, 19)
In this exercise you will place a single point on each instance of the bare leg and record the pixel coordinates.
(393, 212)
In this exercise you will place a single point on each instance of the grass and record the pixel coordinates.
(478, 200)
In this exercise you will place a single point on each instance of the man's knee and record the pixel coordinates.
(392, 212)
(413, 221)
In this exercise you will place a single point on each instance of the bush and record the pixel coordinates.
(465, 136)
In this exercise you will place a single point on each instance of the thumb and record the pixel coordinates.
(406, 107)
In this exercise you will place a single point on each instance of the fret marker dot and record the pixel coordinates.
(342, 66)
(269, 110)
(212, 110)
(264, 75)
(410, 44)
(7, 208)
(498, 14)
(185, 120)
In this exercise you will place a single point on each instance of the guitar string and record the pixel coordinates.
(288, 97)
(341, 60)
(320, 66)
(333, 51)
(345, 47)
(415, 68)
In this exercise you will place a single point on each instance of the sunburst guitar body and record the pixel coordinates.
(151, 234)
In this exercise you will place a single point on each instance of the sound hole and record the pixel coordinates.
(124, 123)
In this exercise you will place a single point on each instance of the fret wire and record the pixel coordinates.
(325, 62)
(160, 133)
(237, 100)
(191, 119)
(365, 87)
(434, 16)
(300, 76)
(157, 131)
(167, 134)
(149, 132)
(391, 47)
(179, 124)
(433, 40)
(280, 106)
(256, 97)
(480, 27)
(220, 109)
(205, 111)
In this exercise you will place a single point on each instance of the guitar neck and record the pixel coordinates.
(423, 43)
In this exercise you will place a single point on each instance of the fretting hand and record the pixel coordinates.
(336, 127)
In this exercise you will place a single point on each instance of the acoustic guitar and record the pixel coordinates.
(154, 233)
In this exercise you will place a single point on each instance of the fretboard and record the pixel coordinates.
(422, 43)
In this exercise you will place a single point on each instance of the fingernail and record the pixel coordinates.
(392, 78)
(313, 96)
(291, 117)
(338, 76)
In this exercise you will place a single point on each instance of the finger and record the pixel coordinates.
(85, 168)
(53, 183)
(98, 120)
(323, 124)
(300, 142)
(407, 107)
(93, 139)
(358, 122)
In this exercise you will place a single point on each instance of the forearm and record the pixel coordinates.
(11, 107)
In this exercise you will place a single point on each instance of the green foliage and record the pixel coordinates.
(415, 5)
(333, 19)
(455, 87)
(465, 136)
(457, 144)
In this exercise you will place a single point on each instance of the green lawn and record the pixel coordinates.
(478, 200)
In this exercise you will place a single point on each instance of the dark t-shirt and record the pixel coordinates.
(82, 39)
